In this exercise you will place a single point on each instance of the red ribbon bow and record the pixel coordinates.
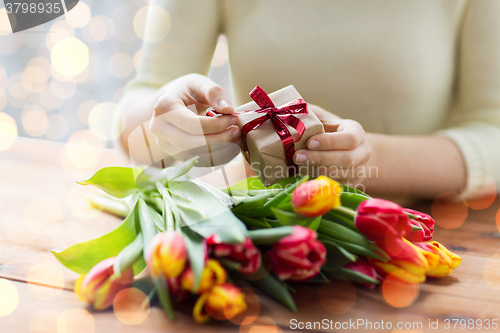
(280, 117)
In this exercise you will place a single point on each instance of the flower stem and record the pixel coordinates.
(345, 211)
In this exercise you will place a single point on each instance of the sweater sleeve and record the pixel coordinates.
(180, 43)
(475, 122)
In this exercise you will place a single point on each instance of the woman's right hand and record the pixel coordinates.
(183, 130)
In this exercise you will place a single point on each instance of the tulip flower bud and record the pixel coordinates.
(222, 302)
(365, 269)
(99, 287)
(316, 197)
(298, 256)
(167, 254)
(412, 267)
(423, 221)
(448, 260)
(379, 219)
(213, 274)
(245, 253)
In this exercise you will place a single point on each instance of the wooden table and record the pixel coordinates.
(42, 208)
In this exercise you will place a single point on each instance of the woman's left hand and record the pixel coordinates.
(342, 153)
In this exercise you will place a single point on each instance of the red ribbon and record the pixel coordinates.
(280, 117)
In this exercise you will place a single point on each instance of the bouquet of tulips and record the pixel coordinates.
(194, 239)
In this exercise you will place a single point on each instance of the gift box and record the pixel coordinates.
(273, 127)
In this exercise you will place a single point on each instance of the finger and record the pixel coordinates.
(210, 92)
(350, 135)
(334, 158)
(187, 121)
(186, 141)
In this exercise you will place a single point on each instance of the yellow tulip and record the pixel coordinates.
(316, 197)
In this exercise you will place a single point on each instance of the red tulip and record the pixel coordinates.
(298, 256)
(99, 287)
(380, 219)
(365, 269)
(423, 221)
(245, 253)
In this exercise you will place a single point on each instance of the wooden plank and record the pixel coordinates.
(37, 173)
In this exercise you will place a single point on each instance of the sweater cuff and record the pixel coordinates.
(478, 143)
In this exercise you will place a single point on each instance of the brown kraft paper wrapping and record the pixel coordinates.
(266, 152)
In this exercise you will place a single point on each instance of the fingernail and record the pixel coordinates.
(233, 121)
(300, 158)
(236, 133)
(313, 144)
(224, 103)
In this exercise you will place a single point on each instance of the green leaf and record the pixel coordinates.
(196, 253)
(119, 182)
(274, 288)
(291, 218)
(255, 223)
(277, 199)
(415, 228)
(251, 203)
(172, 173)
(352, 200)
(109, 204)
(206, 215)
(356, 276)
(250, 183)
(148, 226)
(127, 257)
(81, 257)
(342, 256)
(348, 189)
(157, 218)
(337, 218)
(269, 236)
(164, 297)
(340, 232)
(361, 250)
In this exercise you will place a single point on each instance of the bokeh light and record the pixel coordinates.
(83, 151)
(449, 210)
(121, 65)
(131, 306)
(35, 121)
(79, 16)
(122, 16)
(75, 321)
(488, 196)
(3, 99)
(152, 33)
(44, 321)
(337, 297)
(104, 120)
(100, 28)
(8, 131)
(9, 297)
(58, 127)
(69, 56)
(137, 59)
(58, 31)
(497, 219)
(43, 215)
(399, 294)
(11, 43)
(45, 274)
(261, 325)
(84, 110)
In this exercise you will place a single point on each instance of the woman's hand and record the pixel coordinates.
(181, 128)
(342, 153)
